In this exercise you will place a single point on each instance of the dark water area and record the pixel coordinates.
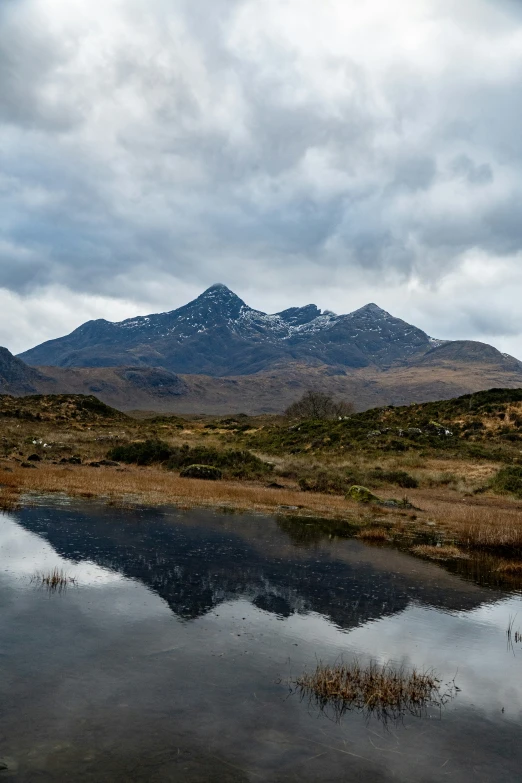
(170, 656)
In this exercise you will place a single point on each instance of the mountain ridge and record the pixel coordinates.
(217, 355)
(218, 334)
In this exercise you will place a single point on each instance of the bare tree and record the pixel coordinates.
(317, 405)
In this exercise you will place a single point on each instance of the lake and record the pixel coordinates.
(171, 656)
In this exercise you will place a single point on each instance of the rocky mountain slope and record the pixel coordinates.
(218, 334)
(16, 377)
(123, 387)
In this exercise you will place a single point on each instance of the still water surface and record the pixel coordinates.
(169, 660)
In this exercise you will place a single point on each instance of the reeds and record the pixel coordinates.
(513, 637)
(378, 689)
(55, 580)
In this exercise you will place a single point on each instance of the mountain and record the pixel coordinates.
(217, 355)
(219, 335)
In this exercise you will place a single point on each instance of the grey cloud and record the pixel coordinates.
(183, 154)
(29, 59)
(416, 173)
(476, 174)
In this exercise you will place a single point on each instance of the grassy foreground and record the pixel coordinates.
(458, 462)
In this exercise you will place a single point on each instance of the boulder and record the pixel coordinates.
(362, 495)
(208, 472)
(34, 458)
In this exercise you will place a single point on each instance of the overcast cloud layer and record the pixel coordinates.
(337, 152)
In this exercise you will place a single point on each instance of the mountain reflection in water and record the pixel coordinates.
(171, 658)
(196, 560)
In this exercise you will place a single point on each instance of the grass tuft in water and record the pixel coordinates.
(378, 689)
(442, 552)
(55, 580)
(513, 636)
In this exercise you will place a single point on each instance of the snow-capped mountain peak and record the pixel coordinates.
(218, 334)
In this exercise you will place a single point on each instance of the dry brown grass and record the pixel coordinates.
(9, 499)
(473, 521)
(159, 487)
(487, 527)
(376, 688)
(510, 567)
(443, 552)
(373, 534)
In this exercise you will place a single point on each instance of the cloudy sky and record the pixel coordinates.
(334, 152)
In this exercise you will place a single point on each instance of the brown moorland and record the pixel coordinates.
(61, 443)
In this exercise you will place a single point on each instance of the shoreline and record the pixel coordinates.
(438, 519)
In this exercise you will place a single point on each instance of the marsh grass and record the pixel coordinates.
(9, 499)
(510, 567)
(373, 534)
(376, 689)
(55, 581)
(442, 552)
(490, 528)
(154, 485)
(484, 523)
(470, 522)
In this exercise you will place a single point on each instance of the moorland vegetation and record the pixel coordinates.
(441, 476)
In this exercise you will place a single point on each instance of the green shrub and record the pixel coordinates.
(235, 463)
(398, 477)
(146, 452)
(509, 480)
(319, 478)
(207, 472)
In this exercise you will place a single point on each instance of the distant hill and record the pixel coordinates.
(59, 408)
(442, 373)
(458, 352)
